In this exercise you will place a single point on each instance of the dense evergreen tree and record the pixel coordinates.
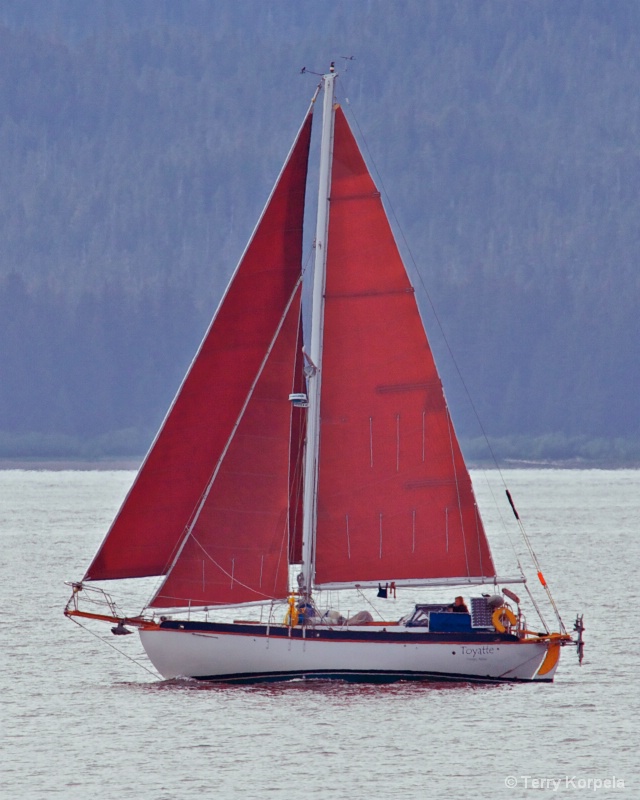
(138, 142)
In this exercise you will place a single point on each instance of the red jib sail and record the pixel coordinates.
(237, 547)
(157, 512)
(395, 500)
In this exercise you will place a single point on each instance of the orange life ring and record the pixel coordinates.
(502, 617)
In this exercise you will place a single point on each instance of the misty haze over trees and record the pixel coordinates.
(139, 142)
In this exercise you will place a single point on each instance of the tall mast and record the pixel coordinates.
(314, 379)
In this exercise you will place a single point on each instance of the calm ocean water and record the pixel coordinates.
(81, 721)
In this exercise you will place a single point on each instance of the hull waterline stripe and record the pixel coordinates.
(361, 676)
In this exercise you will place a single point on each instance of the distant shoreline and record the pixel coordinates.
(61, 464)
(130, 463)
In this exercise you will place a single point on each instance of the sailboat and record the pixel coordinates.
(287, 470)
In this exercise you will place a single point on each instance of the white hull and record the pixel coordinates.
(237, 657)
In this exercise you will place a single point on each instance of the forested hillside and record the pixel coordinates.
(139, 142)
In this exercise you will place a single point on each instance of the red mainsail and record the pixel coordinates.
(154, 518)
(395, 500)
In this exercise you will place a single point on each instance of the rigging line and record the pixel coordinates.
(505, 528)
(308, 258)
(455, 475)
(532, 554)
(295, 496)
(536, 562)
(230, 575)
(476, 512)
(517, 556)
(537, 607)
(205, 494)
(369, 603)
(213, 608)
(284, 547)
(113, 647)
